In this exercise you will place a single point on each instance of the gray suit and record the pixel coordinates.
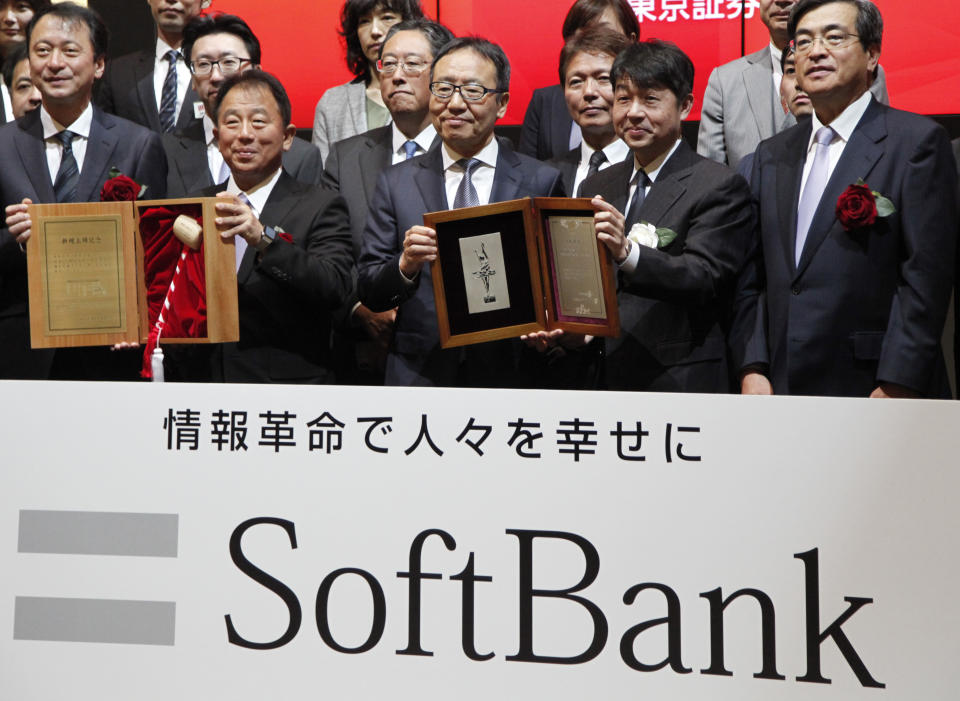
(740, 108)
(341, 113)
(189, 170)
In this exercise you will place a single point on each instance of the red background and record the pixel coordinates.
(300, 45)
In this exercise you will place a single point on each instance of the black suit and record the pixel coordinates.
(127, 90)
(862, 307)
(189, 170)
(546, 126)
(404, 193)
(674, 305)
(132, 149)
(286, 294)
(567, 164)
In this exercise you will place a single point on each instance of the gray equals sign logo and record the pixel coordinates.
(96, 620)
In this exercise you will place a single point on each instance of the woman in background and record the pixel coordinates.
(355, 107)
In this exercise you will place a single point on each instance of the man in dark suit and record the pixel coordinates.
(470, 82)
(675, 287)
(63, 152)
(152, 87)
(293, 242)
(215, 47)
(585, 62)
(354, 164)
(844, 300)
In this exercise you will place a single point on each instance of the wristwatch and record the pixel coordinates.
(268, 237)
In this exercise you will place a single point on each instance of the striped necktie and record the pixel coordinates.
(168, 96)
(68, 175)
(466, 193)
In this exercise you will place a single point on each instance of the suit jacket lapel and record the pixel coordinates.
(789, 172)
(373, 159)
(32, 152)
(143, 77)
(428, 177)
(272, 215)
(190, 159)
(758, 84)
(860, 155)
(669, 185)
(507, 179)
(96, 161)
(187, 117)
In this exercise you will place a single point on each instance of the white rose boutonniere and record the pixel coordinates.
(646, 234)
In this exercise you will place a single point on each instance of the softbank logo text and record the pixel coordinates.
(469, 579)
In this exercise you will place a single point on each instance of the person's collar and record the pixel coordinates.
(615, 151)
(424, 139)
(652, 169)
(487, 155)
(259, 194)
(80, 127)
(162, 49)
(208, 125)
(775, 56)
(846, 122)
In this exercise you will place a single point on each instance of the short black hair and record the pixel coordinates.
(15, 54)
(595, 40)
(583, 12)
(789, 50)
(72, 13)
(869, 25)
(255, 77)
(435, 33)
(490, 51)
(350, 16)
(220, 23)
(655, 63)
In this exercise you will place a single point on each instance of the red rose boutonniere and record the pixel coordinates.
(859, 206)
(120, 188)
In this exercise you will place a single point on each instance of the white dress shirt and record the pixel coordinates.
(423, 140)
(615, 152)
(161, 67)
(257, 196)
(215, 160)
(7, 104)
(482, 177)
(844, 126)
(652, 170)
(54, 149)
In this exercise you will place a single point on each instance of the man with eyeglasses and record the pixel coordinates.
(63, 152)
(218, 46)
(354, 164)
(741, 105)
(152, 86)
(847, 290)
(469, 84)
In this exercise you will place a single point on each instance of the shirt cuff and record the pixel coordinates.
(409, 282)
(629, 263)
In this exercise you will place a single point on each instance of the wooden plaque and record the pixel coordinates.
(86, 278)
(521, 266)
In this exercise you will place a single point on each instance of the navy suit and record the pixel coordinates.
(134, 150)
(286, 294)
(675, 305)
(545, 133)
(189, 170)
(127, 90)
(864, 306)
(405, 192)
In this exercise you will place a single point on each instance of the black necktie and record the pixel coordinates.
(633, 211)
(168, 97)
(597, 159)
(68, 175)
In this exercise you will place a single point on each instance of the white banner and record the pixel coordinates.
(227, 542)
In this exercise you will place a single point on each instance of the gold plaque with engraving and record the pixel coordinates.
(572, 242)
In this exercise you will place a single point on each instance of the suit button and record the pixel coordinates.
(795, 290)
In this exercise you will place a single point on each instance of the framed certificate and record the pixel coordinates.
(89, 284)
(521, 266)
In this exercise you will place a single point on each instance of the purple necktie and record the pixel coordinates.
(815, 185)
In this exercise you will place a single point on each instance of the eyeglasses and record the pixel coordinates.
(472, 92)
(831, 40)
(228, 65)
(412, 68)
